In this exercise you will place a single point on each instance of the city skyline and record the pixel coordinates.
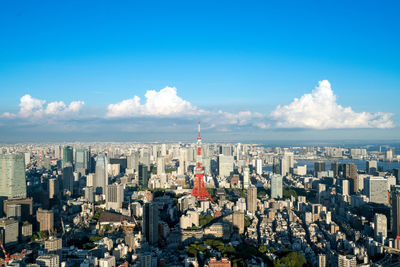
(258, 72)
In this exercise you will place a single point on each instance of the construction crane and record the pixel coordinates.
(7, 257)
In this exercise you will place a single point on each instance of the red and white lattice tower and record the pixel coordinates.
(199, 188)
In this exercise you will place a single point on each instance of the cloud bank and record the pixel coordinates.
(32, 109)
(165, 103)
(319, 110)
(166, 111)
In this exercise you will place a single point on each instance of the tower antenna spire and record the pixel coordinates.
(199, 188)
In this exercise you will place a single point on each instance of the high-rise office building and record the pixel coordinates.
(12, 175)
(350, 172)
(276, 186)
(376, 189)
(395, 209)
(225, 150)
(319, 166)
(68, 155)
(54, 188)
(246, 177)
(225, 165)
(380, 227)
(82, 158)
(101, 175)
(45, 219)
(286, 163)
(114, 196)
(252, 199)
(160, 165)
(336, 167)
(68, 178)
(259, 166)
(133, 161)
(14, 212)
(238, 221)
(371, 166)
(345, 187)
(9, 231)
(143, 175)
(90, 193)
(150, 223)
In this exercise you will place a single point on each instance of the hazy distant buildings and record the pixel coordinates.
(12, 175)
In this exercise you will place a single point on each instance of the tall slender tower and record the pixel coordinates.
(199, 188)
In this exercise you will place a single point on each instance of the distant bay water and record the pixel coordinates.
(361, 164)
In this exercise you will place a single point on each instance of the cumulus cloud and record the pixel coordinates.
(164, 103)
(319, 110)
(33, 108)
(167, 104)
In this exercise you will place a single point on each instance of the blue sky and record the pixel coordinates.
(232, 56)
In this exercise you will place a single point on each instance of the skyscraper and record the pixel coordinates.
(246, 178)
(68, 178)
(82, 158)
(375, 189)
(160, 165)
(150, 223)
(286, 163)
(252, 199)
(350, 172)
(225, 165)
(276, 186)
(143, 175)
(380, 230)
(395, 209)
(371, 166)
(319, 167)
(114, 196)
(259, 166)
(12, 175)
(101, 176)
(67, 155)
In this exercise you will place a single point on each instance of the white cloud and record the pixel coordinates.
(319, 110)
(33, 108)
(165, 103)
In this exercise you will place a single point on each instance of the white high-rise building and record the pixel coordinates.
(101, 177)
(259, 166)
(287, 162)
(380, 227)
(160, 165)
(225, 165)
(246, 177)
(345, 188)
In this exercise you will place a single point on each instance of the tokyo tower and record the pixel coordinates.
(199, 188)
